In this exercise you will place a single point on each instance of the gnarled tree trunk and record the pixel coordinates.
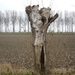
(40, 21)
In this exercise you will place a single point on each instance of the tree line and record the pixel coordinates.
(13, 18)
(64, 23)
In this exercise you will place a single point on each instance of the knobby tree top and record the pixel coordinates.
(40, 21)
(43, 14)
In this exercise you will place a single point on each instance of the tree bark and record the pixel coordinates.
(40, 21)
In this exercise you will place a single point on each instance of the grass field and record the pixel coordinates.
(7, 69)
(17, 49)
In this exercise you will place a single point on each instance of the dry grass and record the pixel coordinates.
(63, 71)
(7, 69)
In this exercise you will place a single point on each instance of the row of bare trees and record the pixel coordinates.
(64, 23)
(12, 18)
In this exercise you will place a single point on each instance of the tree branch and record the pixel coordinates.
(53, 18)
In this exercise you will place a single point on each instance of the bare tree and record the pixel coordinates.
(40, 21)
(13, 19)
(66, 21)
(28, 23)
(1, 20)
(20, 19)
(61, 21)
(73, 20)
(58, 22)
(71, 15)
(24, 23)
(6, 20)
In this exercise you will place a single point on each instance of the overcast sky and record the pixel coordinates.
(19, 5)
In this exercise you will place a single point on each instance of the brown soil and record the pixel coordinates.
(18, 49)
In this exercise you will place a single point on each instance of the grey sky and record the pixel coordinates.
(19, 5)
(11, 5)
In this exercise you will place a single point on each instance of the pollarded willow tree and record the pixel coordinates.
(40, 20)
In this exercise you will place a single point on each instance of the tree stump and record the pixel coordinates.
(40, 21)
